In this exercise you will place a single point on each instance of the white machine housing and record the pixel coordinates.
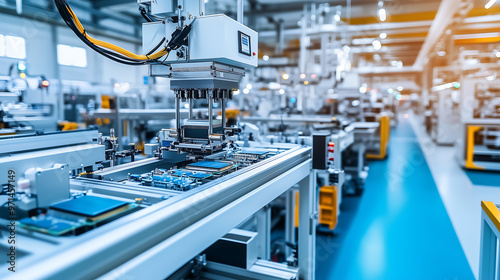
(214, 38)
(169, 8)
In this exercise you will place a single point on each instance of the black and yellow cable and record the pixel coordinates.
(106, 49)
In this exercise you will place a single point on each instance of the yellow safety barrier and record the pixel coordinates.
(490, 234)
(469, 162)
(385, 133)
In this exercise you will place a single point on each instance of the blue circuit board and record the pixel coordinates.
(200, 176)
(171, 182)
(212, 166)
(191, 174)
(254, 152)
(88, 206)
(51, 226)
(180, 173)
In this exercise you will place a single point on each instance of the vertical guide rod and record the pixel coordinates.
(178, 115)
(202, 7)
(223, 113)
(239, 12)
(190, 108)
(210, 111)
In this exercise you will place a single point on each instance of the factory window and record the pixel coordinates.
(15, 47)
(2, 45)
(71, 56)
(12, 46)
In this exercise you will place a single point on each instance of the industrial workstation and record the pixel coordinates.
(249, 139)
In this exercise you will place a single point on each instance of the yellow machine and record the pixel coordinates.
(328, 206)
(67, 126)
(107, 102)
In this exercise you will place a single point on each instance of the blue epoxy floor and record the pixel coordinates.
(399, 228)
(484, 178)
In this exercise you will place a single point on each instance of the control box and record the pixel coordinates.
(320, 151)
(213, 38)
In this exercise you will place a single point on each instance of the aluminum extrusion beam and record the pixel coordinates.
(25, 143)
(185, 224)
(144, 114)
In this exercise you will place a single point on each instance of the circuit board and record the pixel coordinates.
(248, 156)
(197, 173)
(77, 215)
(174, 179)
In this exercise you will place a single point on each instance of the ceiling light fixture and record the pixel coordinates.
(382, 13)
(490, 4)
(377, 45)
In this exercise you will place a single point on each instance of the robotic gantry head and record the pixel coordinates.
(204, 56)
(208, 64)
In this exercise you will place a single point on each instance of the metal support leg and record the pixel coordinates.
(290, 219)
(487, 258)
(497, 258)
(264, 229)
(307, 229)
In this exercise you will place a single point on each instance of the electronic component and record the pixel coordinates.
(214, 166)
(174, 183)
(254, 152)
(77, 215)
(191, 174)
(48, 225)
(180, 173)
(250, 155)
(200, 176)
(88, 206)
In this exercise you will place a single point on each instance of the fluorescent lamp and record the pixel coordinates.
(490, 3)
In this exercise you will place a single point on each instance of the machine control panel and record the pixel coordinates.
(331, 153)
(244, 46)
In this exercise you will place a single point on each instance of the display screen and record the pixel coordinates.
(244, 40)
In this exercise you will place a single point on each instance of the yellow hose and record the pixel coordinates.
(111, 46)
